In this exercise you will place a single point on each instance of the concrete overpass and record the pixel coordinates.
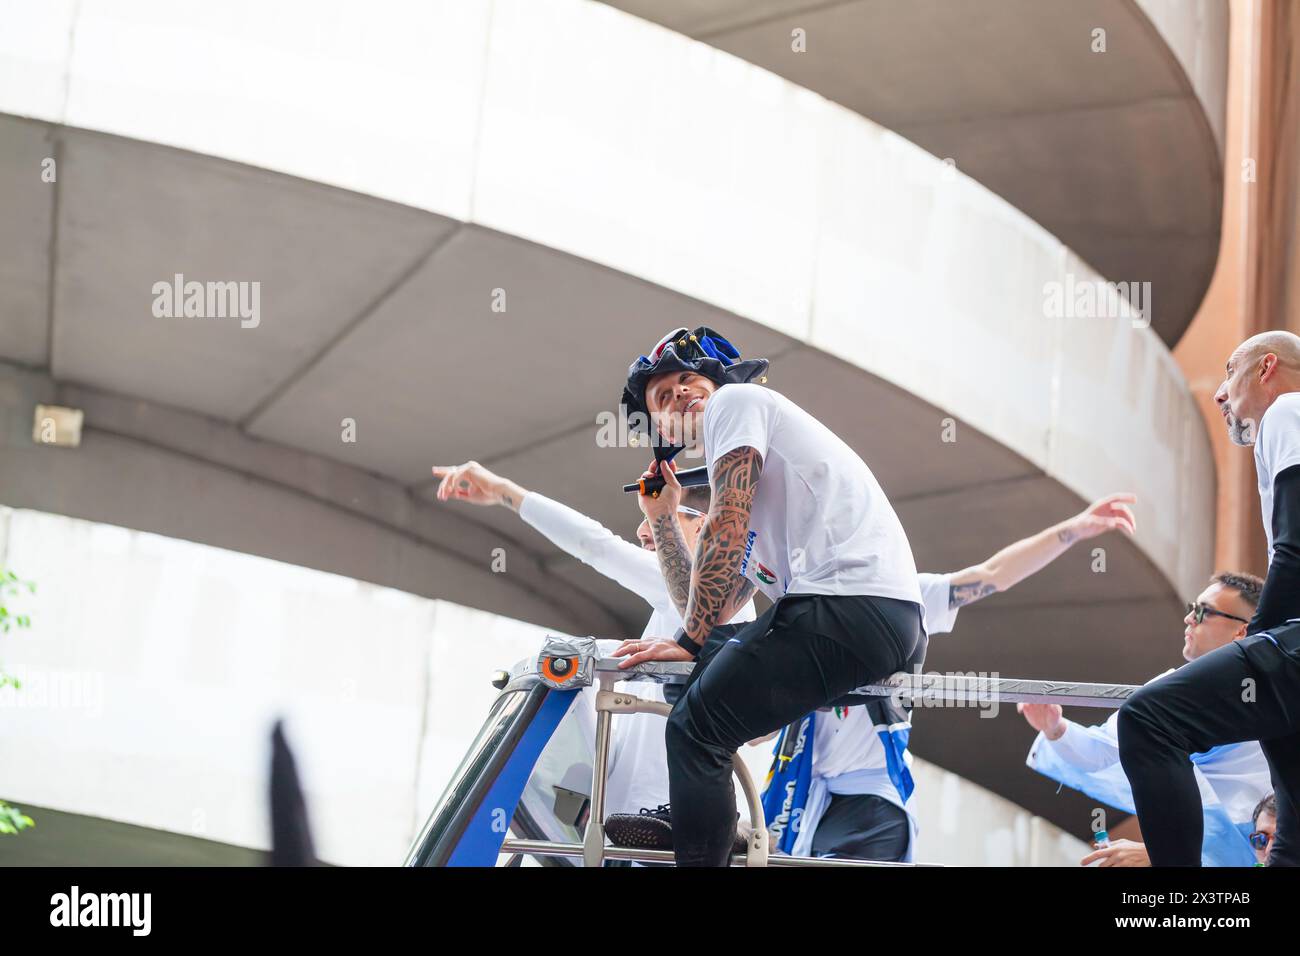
(1113, 141)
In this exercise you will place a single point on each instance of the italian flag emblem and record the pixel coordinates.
(765, 574)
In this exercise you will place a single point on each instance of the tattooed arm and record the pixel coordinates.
(674, 558)
(1017, 561)
(713, 585)
(671, 549)
(716, 583)
(675, 562)
(744, 590)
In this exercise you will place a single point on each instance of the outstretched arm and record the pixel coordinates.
(587, 540)
(1089, 749)
(1017, 561)
(474, 484)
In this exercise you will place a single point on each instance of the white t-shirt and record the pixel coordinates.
(820, 523)
(936, 590)
(1277, 448)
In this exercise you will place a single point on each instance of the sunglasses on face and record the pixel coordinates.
(1201, 611)
(1260, 840)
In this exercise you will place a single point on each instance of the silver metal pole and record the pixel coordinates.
(964, 689)
(931, 688)
(594, 841)
(623, 702)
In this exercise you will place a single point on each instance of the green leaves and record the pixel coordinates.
(13, 819)
(10, 585)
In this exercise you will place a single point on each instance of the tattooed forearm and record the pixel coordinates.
(1067, 536)
(510, 494)
(740, 595)
(714, 578)
(674, 559)
(959, 595)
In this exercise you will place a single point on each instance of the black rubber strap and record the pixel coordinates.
(685, 642)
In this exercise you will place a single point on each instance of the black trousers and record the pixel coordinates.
(802, 653)
(862, 827)
(1246, 690)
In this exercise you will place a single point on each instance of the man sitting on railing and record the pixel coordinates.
(796, 513)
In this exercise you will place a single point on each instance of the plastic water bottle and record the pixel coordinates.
(1102, 839)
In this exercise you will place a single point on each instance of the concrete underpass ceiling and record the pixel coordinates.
(1113, 153)
(383, 314)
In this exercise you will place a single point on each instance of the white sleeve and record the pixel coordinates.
(738, 416)
(593, 544)
(1280, 436)
(939, 616)
(1088, 748)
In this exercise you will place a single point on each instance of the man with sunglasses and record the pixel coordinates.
(637, 740)
(1232, 778)
(795, 512)
(1249, 689)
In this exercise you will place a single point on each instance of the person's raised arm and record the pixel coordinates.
(1017, 561)
(1087, 748)
(587, 540)
(475, 485)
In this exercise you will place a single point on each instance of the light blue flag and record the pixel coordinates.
(1240, 768)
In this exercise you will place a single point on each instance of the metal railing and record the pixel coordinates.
(567, 664)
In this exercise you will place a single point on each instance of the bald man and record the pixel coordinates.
(1249, 689)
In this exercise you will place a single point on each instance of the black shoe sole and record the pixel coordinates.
(639, 831)
(643, 832)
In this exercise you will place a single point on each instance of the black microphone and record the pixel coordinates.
(690, 478)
